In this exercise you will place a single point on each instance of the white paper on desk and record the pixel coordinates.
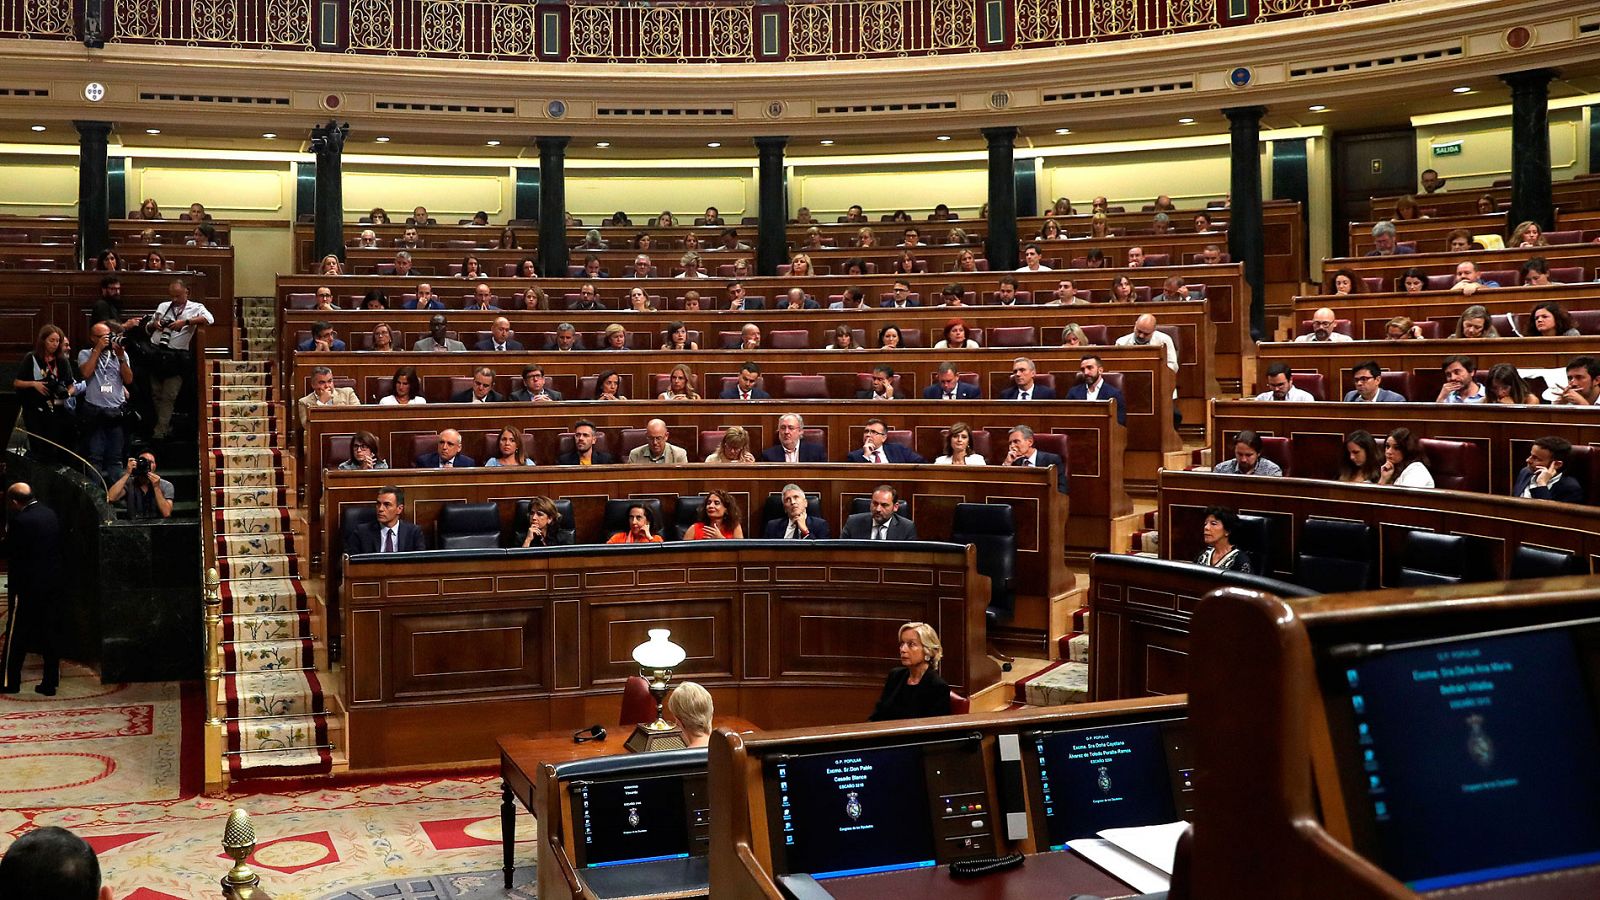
(1155, 844)
(1124, 866)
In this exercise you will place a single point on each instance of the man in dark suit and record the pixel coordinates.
(533, 388)
(449, 455)
(876, 448)
(901, 297)
(36, 614)
(1092, 385)
(882, 523)
(797, 298)
(789, 447)
(947, 385)
(482, 390)
(1545, 477)
(391, 533)
(499, 339)
(739, 299)
(797, 523)
(322, 337)
(745, 388)
(1022, 453)
(882, 384)
(584, 453)
(419, 216)
(1023, 383)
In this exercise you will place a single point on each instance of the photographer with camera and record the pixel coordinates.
(171, 331)
(104, 402)
(143, 493)
(44, 381)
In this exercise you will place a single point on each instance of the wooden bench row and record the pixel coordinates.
(1363, 316)
(932, 492)
(1580, 193)
(30, 300)
(1430, 234)
(1389, 269)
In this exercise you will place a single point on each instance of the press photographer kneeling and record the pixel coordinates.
(143, 493)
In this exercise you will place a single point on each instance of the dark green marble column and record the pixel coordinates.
(772, 245)
(94, 201)
(1530, 147)
(1001, 245)
(327, 142)
(1246, 243)
(553, 206)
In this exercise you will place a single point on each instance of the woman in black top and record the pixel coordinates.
(914, 688)
(1220, 553)
(43, 382)
(544, 525)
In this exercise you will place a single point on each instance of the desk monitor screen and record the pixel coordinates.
(1085, 780)
(1470, 759)
(877, 809)
(641, 819)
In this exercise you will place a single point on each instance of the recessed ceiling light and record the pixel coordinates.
(942, 137)
(602, 144)
(38, 128)
(492, 143)
(152, 131)
(381, 140)
(269, 135)
(1461, 90)
(1186, 121)
(1317, 107)
(1063, 131)
(713, 144)
(826, 142)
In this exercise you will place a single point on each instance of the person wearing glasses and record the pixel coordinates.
(1369, 385)
(876, 447)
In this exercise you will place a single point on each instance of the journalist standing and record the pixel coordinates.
(44, 381)
(104, 404)
(36, 610)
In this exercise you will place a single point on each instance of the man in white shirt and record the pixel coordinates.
(1280, 386)
(1144, 332)
(1323, 323)
(790, 448)
(172, 330)
(1033, 260)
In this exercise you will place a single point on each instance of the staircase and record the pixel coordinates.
(270, 697)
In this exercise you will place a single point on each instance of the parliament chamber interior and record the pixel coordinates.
(800, 449)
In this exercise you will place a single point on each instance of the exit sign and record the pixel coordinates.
(1451, 149)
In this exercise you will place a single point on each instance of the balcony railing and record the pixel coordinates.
(641, 31)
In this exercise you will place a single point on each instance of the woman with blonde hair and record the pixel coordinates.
(680, 384)
(800, 265)
(735, 447)
(330, 265)
(866, 238)
(1073, 335)
(1528, 234)
(914, 688)
(691, 705)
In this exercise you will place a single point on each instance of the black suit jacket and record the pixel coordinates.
(431, 461)
(815, 524)
(466, 397)
(521, 395)
(600, 458)
(368, 537)
(859, 528)
(1040, 392)
(809, 453)
(892, 452)
(964, 391)
(32, 547)
(731, 392)
(1044, 458)
(1567, 490)
(810, 303)
(753, 303)
(488, 344)
(1080, 391)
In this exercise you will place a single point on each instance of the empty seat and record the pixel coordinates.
(1310, 382)
(959, 705)
(1098, 335)
(1335, 555)
(1570, 236)
(805, 387)
(1542, 562)
(1429, 558)
(1254, 537)
(991, 528)
(789, 339)
(688, 511)
(1316, 455)
(638, 706)
(1013, 336)
(1566, 274)
(1502, 277)
(468, 526)
(1587, 321)
(1457, 465)
(631, 439)
(1157, 259)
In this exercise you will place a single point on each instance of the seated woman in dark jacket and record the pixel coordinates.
(1220, 524)
(544, 525)
(914, 688)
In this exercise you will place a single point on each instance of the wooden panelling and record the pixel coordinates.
(472, 664)
(30, 299)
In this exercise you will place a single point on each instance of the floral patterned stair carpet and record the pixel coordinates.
(276, 711)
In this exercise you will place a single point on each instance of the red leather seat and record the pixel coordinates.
(789, 339)
(1098, 335)
(1430, 330)
(638, 707)
(709, 442)
(1587, 321)
(805, 387)
(959, 705)
(1566, 274)
(1457, 465)
(1441, 282)
(420, 444)
(1157, 259)
(1311, 383)
(1372, 285)
(1399, 382)
(1279, 450)
(911, 337)
(1014, 336)
(1502, 277)
(631, 438)
(1562, 237)
(1584, 464)
(1315, 455)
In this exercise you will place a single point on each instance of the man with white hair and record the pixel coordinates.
(790, 447)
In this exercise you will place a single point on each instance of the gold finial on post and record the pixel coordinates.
(239, 841)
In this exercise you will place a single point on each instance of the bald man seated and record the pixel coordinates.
(1323, 323)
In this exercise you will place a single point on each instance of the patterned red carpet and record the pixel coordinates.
(112, 763)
